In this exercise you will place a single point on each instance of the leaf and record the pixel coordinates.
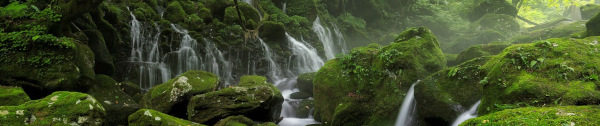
(35, 37)
(35, 8)
(533, 63)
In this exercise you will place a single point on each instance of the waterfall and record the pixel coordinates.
(306, 58)
(274, 71)
(283, 8)
(471, 113)
(408, 109)
(328, 40)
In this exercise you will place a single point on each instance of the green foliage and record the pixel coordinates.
(540, 116)
(350, 20)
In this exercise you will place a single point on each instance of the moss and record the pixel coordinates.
(593, 26)
(163, 97)
(300, 95)
(558, 30)
(443, 92)
(451, 59)
(59, 108)
(492, 6)
(303, 110)
(305, 83)
(117, 103)
(366, 86)
(273, 32)
(483, 37)
(235, 121)
(546, 73)
(250, 80)
(148, 117)
(504, 24)
(304, 8)
(532, 116)
(175, 12)
(260, 102)
(129, 88)
(588, 11)
(12, 96)
(248, 14)
(479, 51)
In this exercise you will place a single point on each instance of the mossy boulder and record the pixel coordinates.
(58, 108)
(492, 6)
(367, 86)
(239, 120)
(304, 8)
(541, 116)
(172, 96)
(502, 23)
(149, 117)
(12, 96)
(588, 11)
(479, 51)
(483, 37)
(64, 69)
(272, 32)
(451, 59)
(305, 83)
(104, 61)
(300, 95)
(175, 12)
(445, 94)
(130, 88)
(303, 108)
(248, 14)
(258, 101)
(593, 26)
(560, 29)
(117, 103)
(559, 71)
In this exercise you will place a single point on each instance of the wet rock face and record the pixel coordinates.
(253, 98)
(165, 97)
(59, 108)
(148, 117)
(367, 86)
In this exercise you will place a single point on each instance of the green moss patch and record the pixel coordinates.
(148, 117)
(12, 96)
(538, 116)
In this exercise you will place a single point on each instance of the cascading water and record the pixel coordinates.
(471, 113)
(408, 109)
(306, 58)
(329, 41)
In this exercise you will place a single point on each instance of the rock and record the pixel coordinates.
(559, 115)
(305, 83)
(492, 6)
(300, 95)
(175, 12)
(304, 8)
(59, 108)
(558, 29)
(588, 11)
(117, 103)
(235, 121)
(502, 23)
(104, 61)
(447, 93)
(67, 70)
(12, 96)
(483, 37)
(303, 108)
(129, 88)
(257, 101)
(559, 71)
(149, 117)
(173, 95)
(367, 86)
(593, 26)
(451, 59)
(272, 32)
(479, 51)
(248, 14)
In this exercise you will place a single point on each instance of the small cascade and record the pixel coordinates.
(215, 62)
(330, 42)
(274, 72)
(306, 58)
(283, 7)
(408, 109)
(471, 113)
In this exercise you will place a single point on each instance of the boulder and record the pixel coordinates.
(593, 26)
(492, 6)
(479, 51)
(248, 14)
(130, 88)
(445, 94)
(104, 61)
(257, 100)
(117, 103)
(305, 83)
(12, 96)
(588, 11)
(559, 71)
(241, 121)
(149, 117)
(58, 108)
(558, 29)
(303, 108)
(300, 95)
(367, 86)
(173, 95)
(483, 37)
(502, 23)
(539, 116)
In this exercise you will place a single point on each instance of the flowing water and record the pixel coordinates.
(331, 44)
(408, 109)
(471, 113)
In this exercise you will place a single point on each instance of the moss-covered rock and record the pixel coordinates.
(483, 37)
(445, 94)
(502, 23)
(239, 120)
(367, 86)
(588, 11)
(272, 32)
(305, 83)
(104, 61)
(492, 6)
(149, 117)
(541, 116)
(175, 12)
(479, 51)
(304, 8)
(258, 101)
(300, 95)
(248, 14)
(559, 29)
(593, 26)
(12, 96)
(59, 108)
(303, 108)
(551, 72)
(117, 103)
(129, 88)
(172, 96)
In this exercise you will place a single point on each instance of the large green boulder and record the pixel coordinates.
(502, 23)
(559, 71)
(117, 103)
(305, 83)
(367, 86)
(12, 96)
(58, 108)
(558, 29)
(541, 116)
(174, 94)
(479, 51)
(593, 26)
(239, 120)
(588, 11)
(442, 96)
(253, 98)
(492, 6)
(149, 117)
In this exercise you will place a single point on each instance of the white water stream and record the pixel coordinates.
(471, 113)
(408, 109)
